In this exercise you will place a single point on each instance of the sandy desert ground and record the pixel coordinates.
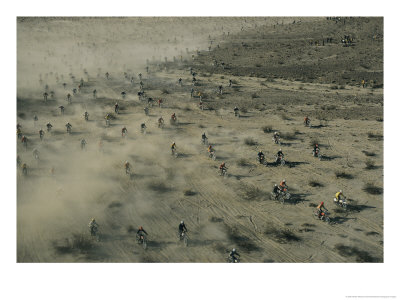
(279, 76)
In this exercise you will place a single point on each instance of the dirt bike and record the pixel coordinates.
(233, 259)
(146, 111)
(237, 113)
(94, 232)
(276, 140)
(107, 122)
(173, 121)
(212, 155)
(307, 123)
(341, 203)
(36, 155)
(282, 196)
(324, 216)
(222, 172)
(317, 153)
(261, 160)
(174, 152)
(128, 170)
(86, 117)
(142, 239)
(183, 237)
(204, 141)
(25, 171)
(280, 160)
(161, 125)
(143, 130)
(69, 130)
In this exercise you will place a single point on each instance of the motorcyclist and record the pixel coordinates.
(203, 137)
(222, 167)
(233, 254)
(116, 107)
(35, 118)
(86, 115)
(24, 141)
(93, 226)
(283, 186)
(94, 93)
(48, 125)
(142, 127)
(18, 161)
(306, 120)
(41, 133)
(173, 117)
(320, 210)
(210, 149)
(260, 156)
(146, 111)
(83, 143)
(339, 197)
(180, 81)
(220, 89)
(140, 232)
(45, 96)
(35, 153)
(182, 228)
(236, 110)
(62, 109)
(68, 127)
(127, 167)
(24, 168)
(124, 131)
(19, 126)
(19, 133)
(173, 147)
(160, 121)
(276, 136)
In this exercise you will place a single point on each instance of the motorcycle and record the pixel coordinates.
(280, 160)
(261, 160)
(173, 121)
(317, 153)
(183, 237)
(94, 232)
(204, 141)
(307, 123)
(233, 259)
(276, 140)
(212, 155)
(341, 203)
(282, 196)
(222, 172)
(142, 239)
(174, 153)
(324, 216)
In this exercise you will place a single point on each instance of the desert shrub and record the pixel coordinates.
(222, 77)
(249, 141)
(379, 119)
(369, 164)
(187, 108)
(164, 92)
(341, 174)
(243, 109)
(282, 236)
(189, 193)
(375, 136)
(315, 183)
(267, 129)
(368, 153)
(258, 65)
(254, 95)
(370, 188)
(284, 116)
(215, 219)
(288, 136)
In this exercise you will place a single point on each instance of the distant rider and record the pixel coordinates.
(182, 228)
(93, 226)
(233, 254)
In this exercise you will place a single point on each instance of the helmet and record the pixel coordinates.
(234, 250)
(275, 184)
(93, 220)
(280, 149)
(275, 132)
(340, 191)
(322, 203)
(182, 222)
(141, 228)
(284, 180)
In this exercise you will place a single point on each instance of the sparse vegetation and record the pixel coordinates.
(267, 129)
(341, 174)
(369, 164)
(282, 236)
(189, 193)
(164, 91)
(374, 136)
(368, 153)
(360, 255)
(249, 141)
(370, 188)
(315, 183)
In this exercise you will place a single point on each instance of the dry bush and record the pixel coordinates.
(369, 164)
(267, 129)
(315, 183)
(249, 141)
(370, 188)
(375, 136)
(254, 95)
(341, 174)
(189, 193)
(368, 153)
(165, 92)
